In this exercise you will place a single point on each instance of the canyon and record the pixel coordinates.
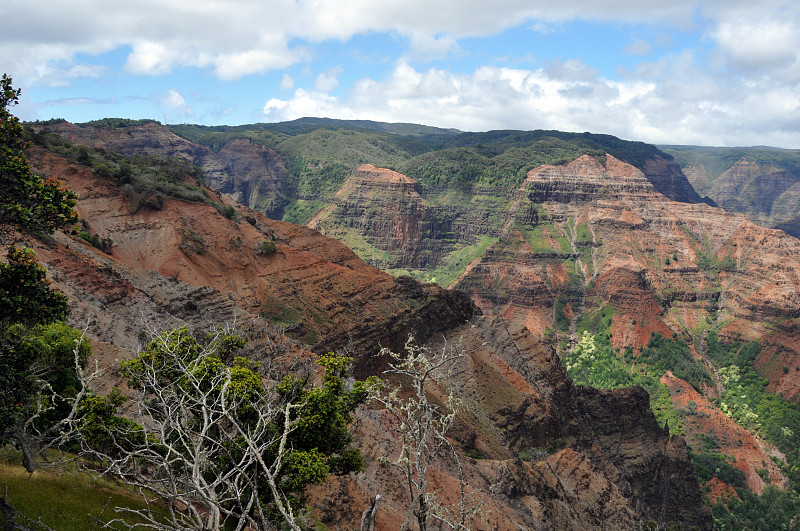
(541, 251)
(184, 263)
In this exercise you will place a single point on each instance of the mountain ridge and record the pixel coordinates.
(182, 262)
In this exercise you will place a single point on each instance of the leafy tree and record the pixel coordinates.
(29, 203)
(38, 357)
(25, 295)
(218, 441)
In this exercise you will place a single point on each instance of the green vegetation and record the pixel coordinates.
(594, 362)
(455, 264)
(663, 354)
(146, 180)
(29, 203)
(118, 123)
(267, 247)
(301, 211)
(74, 500)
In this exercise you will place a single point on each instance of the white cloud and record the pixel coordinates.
(240, 37)
(303, 104)
(175, 101)
(287, 83)
(739, 86)
(693, 108)
(327, 81)
(764, 44)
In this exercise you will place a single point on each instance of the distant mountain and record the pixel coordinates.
(760, 182)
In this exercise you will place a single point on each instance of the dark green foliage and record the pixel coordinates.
(674, 355)
(28, 202)
(267, 247)
(118, 123)
(561, 321)
(708, 465)
(774, 509)
(25, 295)
(104, 430)
(226, 210)
(38, 360)
(104, 244)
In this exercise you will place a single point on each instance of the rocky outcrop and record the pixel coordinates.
(251, 174)
(603, 235)
(614, 466)
(186, 263)
(667, 178)
(386, 209)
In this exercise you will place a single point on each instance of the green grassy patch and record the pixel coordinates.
(66, 500)
(301, 211)
(457, 261)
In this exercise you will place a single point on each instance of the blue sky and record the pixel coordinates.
(719, 72)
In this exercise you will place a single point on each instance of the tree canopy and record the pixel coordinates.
(30, 204)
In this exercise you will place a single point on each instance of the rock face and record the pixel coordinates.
(585, 235)
(617, 467)
(187, 264)
(251, 174)
(762, 183)
(383, 206)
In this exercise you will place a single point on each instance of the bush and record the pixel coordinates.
(266, 247)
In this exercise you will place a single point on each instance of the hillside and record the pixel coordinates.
(595, 245)
(762, 183)
(174, 261)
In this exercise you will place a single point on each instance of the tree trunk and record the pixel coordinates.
(368, 518)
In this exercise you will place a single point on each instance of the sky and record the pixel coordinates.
(716, 72)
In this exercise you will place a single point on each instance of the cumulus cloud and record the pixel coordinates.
(743, 82)
(175, 101)
(327, 81)
(759, 44)
(694, 108)
(241, 37)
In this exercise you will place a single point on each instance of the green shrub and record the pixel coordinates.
(266, 247)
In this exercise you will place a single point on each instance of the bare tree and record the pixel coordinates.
(209, 443)
(423, 425)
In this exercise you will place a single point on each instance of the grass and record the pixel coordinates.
(457, 262)
(67, 500)
(301, 211)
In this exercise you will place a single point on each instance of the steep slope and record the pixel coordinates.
(250, 173)
(185, 263)
(614, 466)
(762, 183)
(315, 287)
(586, 234)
